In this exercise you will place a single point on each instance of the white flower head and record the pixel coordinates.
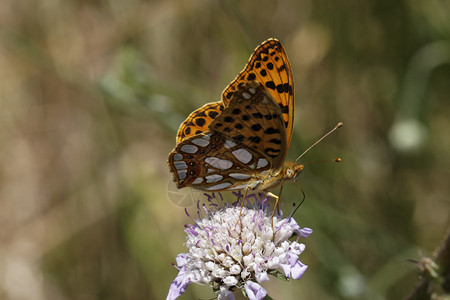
(231, 249)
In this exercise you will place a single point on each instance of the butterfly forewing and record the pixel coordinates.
(253, 119)
(270, 66)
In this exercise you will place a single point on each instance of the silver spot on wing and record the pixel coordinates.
(239, 187)
(213, 178)
(218, 186)
(229, 144)
(189, 148)
(182, 174)
(239, 175)
(177, 156)
(242, 155)
(200, 142)
(197, 181)
(179, 165)
(218, 163)
(262, 162)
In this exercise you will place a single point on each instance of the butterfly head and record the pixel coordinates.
(292, 170)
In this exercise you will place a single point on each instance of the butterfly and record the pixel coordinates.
(241, 141)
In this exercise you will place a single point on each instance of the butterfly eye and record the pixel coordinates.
(289, 173)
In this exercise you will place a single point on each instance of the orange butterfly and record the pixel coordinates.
(241, 142)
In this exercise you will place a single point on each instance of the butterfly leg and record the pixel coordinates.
(242, 205)
(276, 207)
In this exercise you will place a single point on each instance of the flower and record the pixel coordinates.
(237, 248)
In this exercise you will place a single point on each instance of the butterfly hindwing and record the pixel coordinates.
(198, 121)
(211, 161)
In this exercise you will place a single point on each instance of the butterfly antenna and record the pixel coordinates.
(339, 125)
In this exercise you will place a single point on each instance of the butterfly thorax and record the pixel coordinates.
(289, 172)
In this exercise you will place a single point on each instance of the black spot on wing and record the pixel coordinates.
(251, 76)
(282, 68)
(212, 114)
(239, 138)
(271, 85)
(272, 152)
(284, 108)
(254, 139)
(271, 130)
(200, 121)
(276, 141)
(228, 119)
(256, 127)
(280, 88)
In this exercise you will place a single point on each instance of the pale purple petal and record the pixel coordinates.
(181, 259)
(304, 232)
(292, 258)
(242, 259)
(298, 269)
(178, 286)
(254, 291)
(286, 269)
(262, 276)
(225, 294)
(301, 232)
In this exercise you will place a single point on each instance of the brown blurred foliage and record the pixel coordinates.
(92, 94)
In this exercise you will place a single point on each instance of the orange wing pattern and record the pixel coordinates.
(270, 66)
(199, 120)
(254, 120)
(245, 140)
(241, 141)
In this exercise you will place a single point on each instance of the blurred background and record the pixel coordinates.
(92, 94)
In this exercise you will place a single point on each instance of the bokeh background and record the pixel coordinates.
(91, 96)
